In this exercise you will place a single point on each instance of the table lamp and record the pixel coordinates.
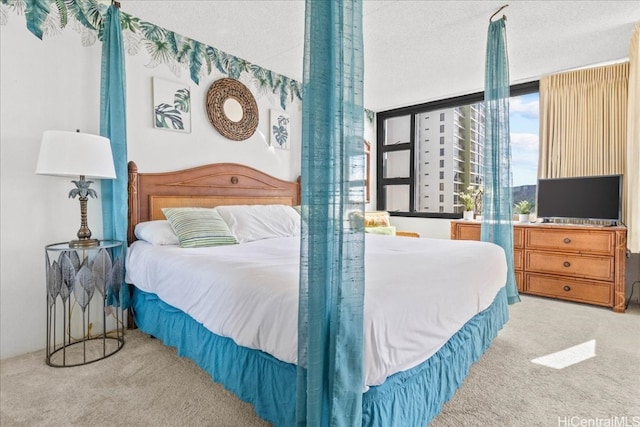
(64, 153)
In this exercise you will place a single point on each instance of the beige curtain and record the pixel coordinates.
(632, 172)
(583, 123)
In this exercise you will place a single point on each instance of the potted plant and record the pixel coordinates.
(470, 199)
(523, 209)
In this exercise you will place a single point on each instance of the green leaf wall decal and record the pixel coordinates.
(130, 23)
(195, 60)
(160, 51)
(215, 56)
(151, 32)
(74, 9)
(284, 87)
(164, 46)
(36, 13)
(93, 12)
(172, 43)
(62, 11)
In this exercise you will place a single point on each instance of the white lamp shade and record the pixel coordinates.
(64, 153)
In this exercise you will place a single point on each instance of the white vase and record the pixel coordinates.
(467, 215)
(523, 217)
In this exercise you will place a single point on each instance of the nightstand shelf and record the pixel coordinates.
(82, 324)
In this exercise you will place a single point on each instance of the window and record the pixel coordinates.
(406, 183)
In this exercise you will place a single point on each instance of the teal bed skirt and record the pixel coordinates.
(409, 398)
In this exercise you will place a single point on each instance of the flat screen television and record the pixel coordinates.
(588, 197)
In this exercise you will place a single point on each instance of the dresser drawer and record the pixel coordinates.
(520, 281)
(472, 232)
(468, 231)
(574, 240)
(587, 267)
(518, 263)
(518, 237)
(569, 289)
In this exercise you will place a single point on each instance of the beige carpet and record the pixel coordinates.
(146, 384)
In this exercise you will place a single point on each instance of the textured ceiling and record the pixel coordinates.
(415, 51)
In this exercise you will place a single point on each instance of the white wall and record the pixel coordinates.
(40, 91)
(54, 84)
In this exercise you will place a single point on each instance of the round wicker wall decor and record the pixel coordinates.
(221, 91)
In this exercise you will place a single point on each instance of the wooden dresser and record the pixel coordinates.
(580, 263)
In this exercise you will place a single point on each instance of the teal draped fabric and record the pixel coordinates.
(497, 225)
(113, 125)
(330, 375)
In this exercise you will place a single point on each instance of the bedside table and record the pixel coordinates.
(81, 327)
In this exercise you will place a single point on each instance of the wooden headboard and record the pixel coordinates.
(204, 186)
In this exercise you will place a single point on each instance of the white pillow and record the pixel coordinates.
(255, 222)
(157, 232)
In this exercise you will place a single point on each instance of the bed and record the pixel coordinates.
(233, 308)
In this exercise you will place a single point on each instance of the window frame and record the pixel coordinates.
(413, 111)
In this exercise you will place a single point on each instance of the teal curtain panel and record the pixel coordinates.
(330, 342)
(497, 215)
(113, 125)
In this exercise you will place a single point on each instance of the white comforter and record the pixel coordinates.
(419, 292)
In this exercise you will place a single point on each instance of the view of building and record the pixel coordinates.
(449, 156)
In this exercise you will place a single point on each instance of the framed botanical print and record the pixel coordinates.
(280, 129)
(171, 106)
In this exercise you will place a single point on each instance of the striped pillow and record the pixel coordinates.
(199, 227)
(386, 231)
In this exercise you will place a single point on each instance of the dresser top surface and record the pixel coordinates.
(552, 225)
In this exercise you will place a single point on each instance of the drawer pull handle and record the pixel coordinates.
(566, 264)
(567, 240)
(567, 288)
